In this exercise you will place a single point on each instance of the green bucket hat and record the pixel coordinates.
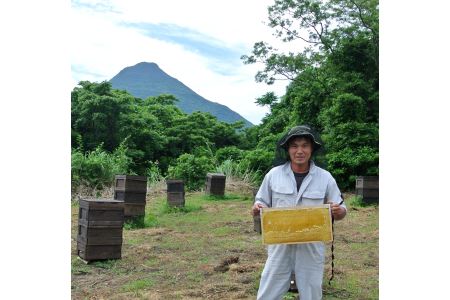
(299, 131)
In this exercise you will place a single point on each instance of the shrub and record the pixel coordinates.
(192, 170)
(97, 168)
(257, 161)
(228, 153)
(357, 201)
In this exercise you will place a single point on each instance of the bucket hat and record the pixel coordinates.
(299, 131)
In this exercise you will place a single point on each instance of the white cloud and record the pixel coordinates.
(101, 46)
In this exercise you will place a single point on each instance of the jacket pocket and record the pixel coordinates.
(312, 198)
(283, 197)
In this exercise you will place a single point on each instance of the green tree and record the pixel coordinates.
(95, 114)
(352, 142)
(333, 80)
(320, 25)
(200, 130)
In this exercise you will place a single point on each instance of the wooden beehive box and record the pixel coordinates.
(134, 209)
(100, 224)
(131, 183)
(367, 188)
(175, 192)
(130, 197)
(215, 184)
(295, 225)
(130, 188)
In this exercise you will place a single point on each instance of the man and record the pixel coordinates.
(297, 182)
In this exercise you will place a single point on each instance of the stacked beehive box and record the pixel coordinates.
(215, 184)
(367, 188)
(100, 224)
(132, 190)
(175, 192)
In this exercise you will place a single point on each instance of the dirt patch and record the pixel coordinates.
(224, 265)
(243, 268)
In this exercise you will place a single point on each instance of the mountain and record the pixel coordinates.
(147, 79)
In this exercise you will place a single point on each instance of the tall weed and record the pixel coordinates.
(153, 173)
(239, 170)
(96, 169)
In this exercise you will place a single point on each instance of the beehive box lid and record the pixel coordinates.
(132, 177)
(368, 177)
(100, 200)
(100, 203)
(174, 181)
(296, 225)
(221, 175)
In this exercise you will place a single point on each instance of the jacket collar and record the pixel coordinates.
(312, 167)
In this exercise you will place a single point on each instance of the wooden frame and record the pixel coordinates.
(296, 225)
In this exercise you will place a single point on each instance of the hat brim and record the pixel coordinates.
(285, 142)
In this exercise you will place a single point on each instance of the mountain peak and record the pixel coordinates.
(145, 66)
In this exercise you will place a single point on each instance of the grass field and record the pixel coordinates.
(209, 251)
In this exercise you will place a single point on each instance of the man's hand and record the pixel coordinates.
(337, 211)
(255, 209)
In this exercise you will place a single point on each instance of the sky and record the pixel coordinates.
(197, 42)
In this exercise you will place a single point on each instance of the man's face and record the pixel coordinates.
(300, 150)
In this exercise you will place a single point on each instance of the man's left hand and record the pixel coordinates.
(337, 211)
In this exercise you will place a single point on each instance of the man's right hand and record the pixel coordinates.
(255, 209)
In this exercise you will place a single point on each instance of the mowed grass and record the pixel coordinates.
(356, 256)
(186, 254)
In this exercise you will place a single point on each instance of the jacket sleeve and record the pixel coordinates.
(264, 195)
(333, 193)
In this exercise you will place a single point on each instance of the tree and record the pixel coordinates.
(333, 80)
(95, 114)
(351, 141)
(320, 25)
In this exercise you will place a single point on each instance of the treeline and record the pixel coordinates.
(333, 87)
(114, 132)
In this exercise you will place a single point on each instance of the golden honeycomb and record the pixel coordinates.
(294, 225)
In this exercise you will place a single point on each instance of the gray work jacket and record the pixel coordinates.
(279, 188)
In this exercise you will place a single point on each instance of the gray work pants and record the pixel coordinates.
(306, 260)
